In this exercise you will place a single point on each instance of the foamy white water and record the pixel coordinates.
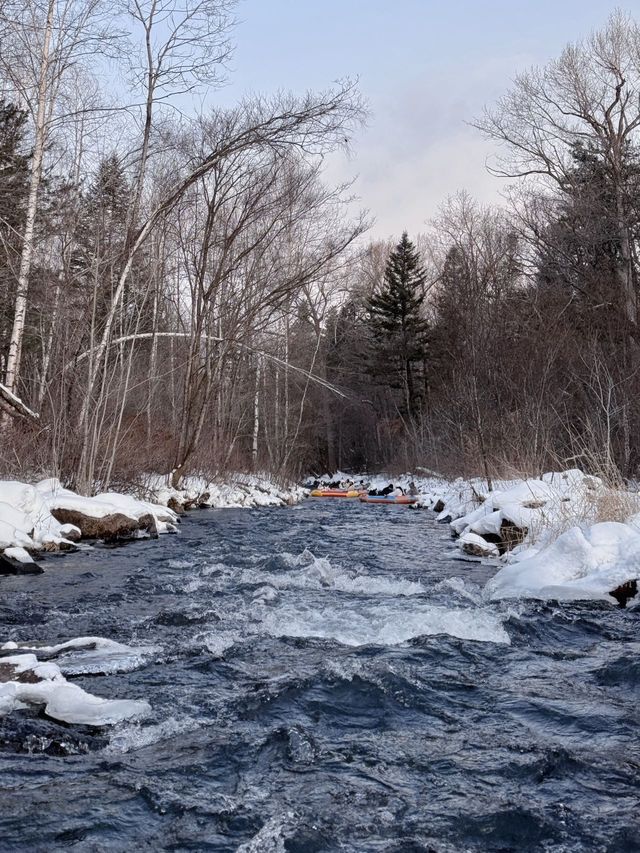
(385, 624)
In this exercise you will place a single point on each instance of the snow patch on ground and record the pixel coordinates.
(241, 491)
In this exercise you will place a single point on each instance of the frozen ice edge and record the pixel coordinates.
(31, 682)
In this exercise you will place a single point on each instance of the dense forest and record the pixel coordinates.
(182, 290)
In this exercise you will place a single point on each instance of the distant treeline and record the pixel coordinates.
(184, 293)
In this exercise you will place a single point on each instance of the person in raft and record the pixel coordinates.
(381, 493)
(413, 491)
(398, 492)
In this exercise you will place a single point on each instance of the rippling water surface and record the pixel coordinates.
(324, 678)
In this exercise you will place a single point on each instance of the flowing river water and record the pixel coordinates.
(322, 678)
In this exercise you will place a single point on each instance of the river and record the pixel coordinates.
(322, 678)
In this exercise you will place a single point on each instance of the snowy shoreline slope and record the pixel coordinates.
(565, 536)
(48, 517)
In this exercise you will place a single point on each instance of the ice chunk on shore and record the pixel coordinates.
(582, 564)
(97, 655)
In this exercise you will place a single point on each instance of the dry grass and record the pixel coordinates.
(590, 506)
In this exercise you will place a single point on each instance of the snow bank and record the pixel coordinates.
(582, 564)
(25, 519)
(28, 522)
(25, 681)
(553, 532)
(519, 514)
(241, 492)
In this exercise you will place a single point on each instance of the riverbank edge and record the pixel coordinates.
(44, 517)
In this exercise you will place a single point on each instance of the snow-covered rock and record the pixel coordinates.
(48, 517)
(476, 546)
(106, 516)
(241, 491)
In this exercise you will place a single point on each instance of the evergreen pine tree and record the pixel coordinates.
(398, 327)
(14, 178)
(101, 236)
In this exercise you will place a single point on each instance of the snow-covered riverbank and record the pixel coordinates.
(48, 517)
(563, 536)
(238, 492)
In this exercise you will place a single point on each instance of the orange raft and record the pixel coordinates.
(405, 500)
(335, 493)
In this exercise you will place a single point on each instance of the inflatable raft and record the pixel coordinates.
(388, 499)
(335, 493)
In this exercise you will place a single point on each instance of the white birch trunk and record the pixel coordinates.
(20, 309)
(256, 418)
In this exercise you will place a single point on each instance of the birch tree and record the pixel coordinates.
(40, 45)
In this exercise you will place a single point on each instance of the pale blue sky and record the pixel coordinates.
(425, 67)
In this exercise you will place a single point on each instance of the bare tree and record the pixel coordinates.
(589, 96)
(40, 45)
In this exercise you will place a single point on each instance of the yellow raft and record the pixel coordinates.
(335, 493)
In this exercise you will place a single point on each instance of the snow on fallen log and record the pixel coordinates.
(15, 406)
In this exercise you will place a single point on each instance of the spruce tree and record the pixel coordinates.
(398, 327)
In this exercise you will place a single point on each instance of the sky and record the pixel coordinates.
(425, 67)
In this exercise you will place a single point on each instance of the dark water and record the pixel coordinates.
(370, 702)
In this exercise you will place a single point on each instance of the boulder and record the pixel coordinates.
(52, 545)
(199, 502)
(147, 524)
(10, 672)
(438, 506)
(511, 535)
(625, 592)
(9, 566)
(174, 504)
(71, 532)
(109, 528)
(477, 546)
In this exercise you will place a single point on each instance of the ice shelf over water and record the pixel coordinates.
(26, 681)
